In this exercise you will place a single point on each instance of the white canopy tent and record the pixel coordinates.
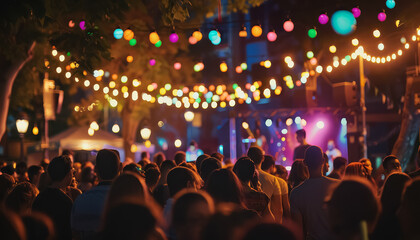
(77, 138)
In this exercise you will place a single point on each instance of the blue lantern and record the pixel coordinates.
(343, 22)
(390, 4)
(118, 33)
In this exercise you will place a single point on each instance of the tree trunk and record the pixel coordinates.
(10, 72)
(405, 144)
(129, 128)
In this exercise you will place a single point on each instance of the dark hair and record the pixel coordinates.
(208, 166)
(21, 197)
(34, 170)
(38, 226)
(392, 192)
(21, 168)
(387, 160)
(244, 168)
(158, 158)
(218, 156)
(6, 185)
(298, 173)
(9, 169)
(11, 226)
(355, 169)
(128, 221)
(67, 152)
(133, 168)
(339, 162)
(301, 133)
(107, 164)
(268, 162)
(352, 201)
(152, 177)
(179, 157)
(314, 157)
(150, 165)
(59, 168)
(143, 155)
(200, 160)
(86, 175)
(269, 231)
(256, 154)
(224, 186)
(179, 178)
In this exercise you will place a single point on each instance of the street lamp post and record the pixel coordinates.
(22, 127)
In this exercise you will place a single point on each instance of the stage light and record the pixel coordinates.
(320, 124)
(268, 122)
(284, 131)
(245, 125)
(178, 143)
(343, 121)
(289, 121)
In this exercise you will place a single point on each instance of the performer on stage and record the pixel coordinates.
(299, 152)
(193, 152)
(332, 152)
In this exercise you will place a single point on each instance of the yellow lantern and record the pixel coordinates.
(154, 37)
(223, 67)
(197, 35)
(128, 34)
(256, 31)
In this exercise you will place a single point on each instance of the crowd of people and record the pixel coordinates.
(209, 198)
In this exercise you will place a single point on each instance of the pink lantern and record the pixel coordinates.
(192, 40)
(152, 62)
(271, 36)
(177, 66)
(323, 19)
(288, 26)
(356, 12)
(82, 25)
(173, 37)
(381, 16)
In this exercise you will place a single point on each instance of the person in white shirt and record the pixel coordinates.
(332, 152)
(269, 183)
(307, 201)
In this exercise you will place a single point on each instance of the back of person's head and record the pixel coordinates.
(144, 155)
(224, 187)
(256, 154)
(152, 177)
(9, 169)
(190, 212)
(269, 231)
(150, 165)
(298, 173)
(67, 152)
(44, 163)
(59, 168)
(86, 175)
(143, 162)
(301, 133)
(244, 168)
(200, 160)
(133, 168)
(281, 172)
(127, 185)
(268, 162)
(38, 226)
(11, 226)
(389, 163)
(355, 169)
(180, 178)
(352, 202)
(208, 166)
(218, 156)
(179, 157)
(21, 168)
(392, 192)
(339, 162)
(107, 164)
(409, 210)
(21, 197)
(6, 185)
(167, 165)
(314, 157)
(158, 158)
(33, 171)
(128, 221)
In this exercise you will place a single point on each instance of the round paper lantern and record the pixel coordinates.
(381, 16)
(173, 37)
(118, 33)
(271, 36)
(192, 40)
(152, 62)
(243, 33)
(154, 37)
(216, 41)
(177, 66)
(356, 12)
(133, 42)
(256, 31)
(128, 34)
(390, 4)
(323, 19)
(343, 22)
(312, 33)
(71, 23)
(82, 25)
(288, 26)
(214, 35)
(158, 44)
(197, 35)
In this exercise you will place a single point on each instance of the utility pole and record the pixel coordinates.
(363, 102)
